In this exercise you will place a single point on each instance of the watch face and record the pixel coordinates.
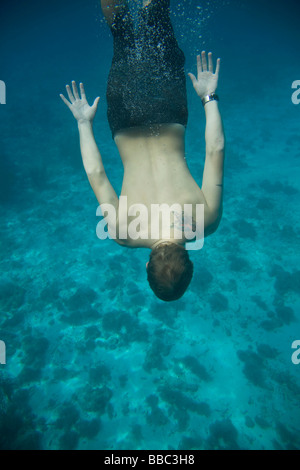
(212, 97)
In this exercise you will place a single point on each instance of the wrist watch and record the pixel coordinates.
(211, 97)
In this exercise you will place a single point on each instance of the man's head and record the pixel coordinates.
(169, 271)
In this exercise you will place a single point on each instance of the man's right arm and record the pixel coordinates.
(91, 158)
(92, 161)
(93, 166)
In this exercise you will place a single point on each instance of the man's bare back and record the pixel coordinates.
(156, 172)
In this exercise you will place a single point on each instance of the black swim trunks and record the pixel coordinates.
(146, 83)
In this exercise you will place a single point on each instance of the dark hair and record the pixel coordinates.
(169, 271)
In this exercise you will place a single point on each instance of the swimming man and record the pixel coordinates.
(147, 114)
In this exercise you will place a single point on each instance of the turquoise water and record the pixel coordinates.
(93, 359)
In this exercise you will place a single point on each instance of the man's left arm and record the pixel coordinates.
(213, 175)
(205, 86)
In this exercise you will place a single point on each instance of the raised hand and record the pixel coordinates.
(206, 82)
(79, 107)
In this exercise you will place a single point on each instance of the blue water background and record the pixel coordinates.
(94, 360)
